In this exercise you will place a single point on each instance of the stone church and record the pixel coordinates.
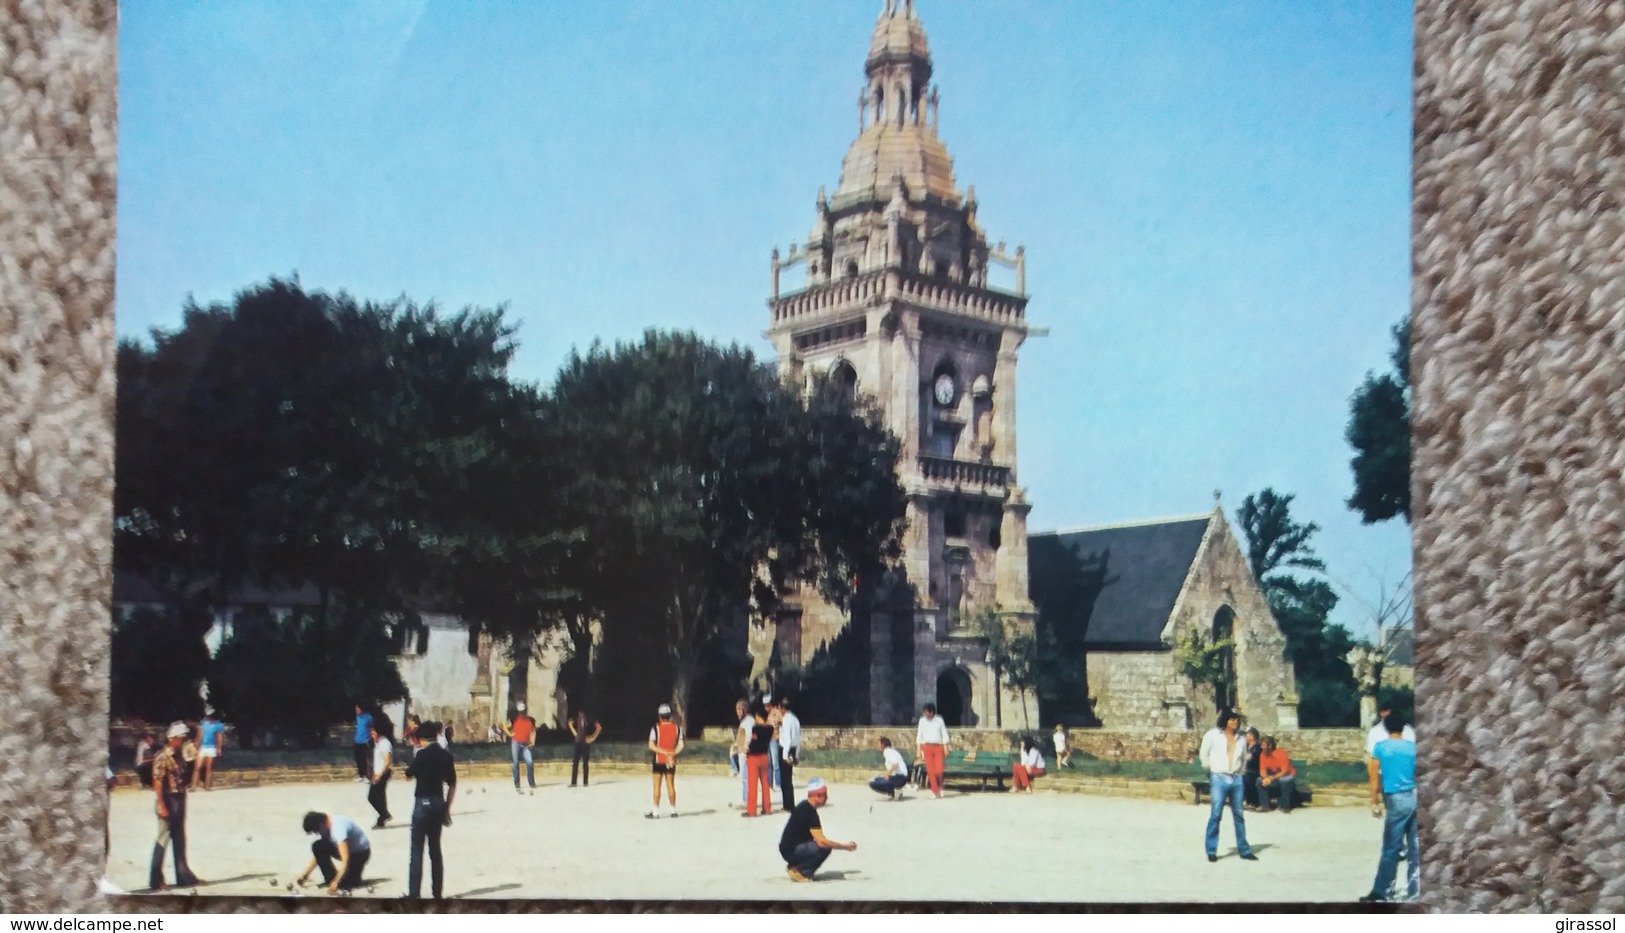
(897, 307)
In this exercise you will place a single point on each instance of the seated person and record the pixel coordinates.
(1030, 766)
(1252, 792)
(896, 771)
(336, 837)
(1275, 775)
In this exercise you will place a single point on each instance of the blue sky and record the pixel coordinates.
(1214, 197)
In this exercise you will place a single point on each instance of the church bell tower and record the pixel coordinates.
(897, 307)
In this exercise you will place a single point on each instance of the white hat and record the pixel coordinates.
(815, 785)
(178, 730)
(664, 710)
(767, 700)
(520, 705)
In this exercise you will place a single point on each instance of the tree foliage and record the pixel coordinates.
(159, 662)
(1379, 430)
(1274, 540)
(1205, 662)
(298, 677)
(696, 473)
(295, 438)
(1302, 607)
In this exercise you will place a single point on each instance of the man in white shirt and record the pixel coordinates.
(1224, 756)
(1379, 732)
(789, 748)
(931, 742)
(896, 775)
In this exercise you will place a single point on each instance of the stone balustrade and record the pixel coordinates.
(993, 478)
(929, 294)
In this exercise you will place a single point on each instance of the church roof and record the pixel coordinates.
(898, 33)
(898, 143)
(1113, 586)
(885, 150)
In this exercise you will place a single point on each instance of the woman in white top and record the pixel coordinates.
(1030, 766)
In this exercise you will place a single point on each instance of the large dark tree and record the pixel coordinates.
(703, 487)
(295, 438)
(1379, 430)
(1302, 607)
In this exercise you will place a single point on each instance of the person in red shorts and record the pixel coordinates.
(666, 742)
(932, 744)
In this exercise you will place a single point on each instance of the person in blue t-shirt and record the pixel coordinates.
(363, 745)
(211, 739)
(1392, 768)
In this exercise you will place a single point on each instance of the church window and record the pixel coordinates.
(994, 537)
(851, 268)
(844, 381)
(953, 523)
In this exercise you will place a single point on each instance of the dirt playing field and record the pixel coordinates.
(595, 842)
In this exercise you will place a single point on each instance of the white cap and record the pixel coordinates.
(520, 706)
(815, 785)
(178, 730)
(665, 709)
(767, 700)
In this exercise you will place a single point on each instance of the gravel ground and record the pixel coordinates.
(595, 842)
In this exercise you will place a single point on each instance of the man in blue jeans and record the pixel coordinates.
(1392, 769)
(1224, 756)
(436, 788)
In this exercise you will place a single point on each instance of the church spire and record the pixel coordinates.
(898, 68)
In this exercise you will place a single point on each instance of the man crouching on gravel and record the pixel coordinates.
(804, 845)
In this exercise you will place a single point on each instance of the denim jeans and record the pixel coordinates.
(171, 833)
(775, 755)
(428, 819)
(530, 764)
(1226, 790)
(1398, 830)
(327, 855)
(888, 785)
(806, 857)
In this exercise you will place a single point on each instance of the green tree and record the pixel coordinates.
(1302, 607)
(300, 676)
(700, 476)
(1274, 540)
(158, 665)
(1379, 430)
(294, 438)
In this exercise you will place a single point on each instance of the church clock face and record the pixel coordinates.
(944, 390)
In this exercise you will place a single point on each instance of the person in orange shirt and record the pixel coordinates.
(666, 742)
(1275, 775)
(522, 733)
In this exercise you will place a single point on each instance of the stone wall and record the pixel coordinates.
(1309, 745)
(1140, 690)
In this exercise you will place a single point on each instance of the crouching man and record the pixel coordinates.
(341, 838)
(803, 844)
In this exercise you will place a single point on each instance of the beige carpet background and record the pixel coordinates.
(1519, 363)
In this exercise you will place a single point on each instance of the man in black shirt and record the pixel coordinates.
(433, 770)
(804, 845)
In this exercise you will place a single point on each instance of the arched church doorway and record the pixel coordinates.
(1224, 631)
(953, 697)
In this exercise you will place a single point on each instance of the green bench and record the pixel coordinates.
(981, 767)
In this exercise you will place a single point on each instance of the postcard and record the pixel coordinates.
(876, 450)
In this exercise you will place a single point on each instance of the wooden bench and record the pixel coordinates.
(981, 767)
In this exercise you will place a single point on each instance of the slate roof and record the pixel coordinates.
(1112, 586)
